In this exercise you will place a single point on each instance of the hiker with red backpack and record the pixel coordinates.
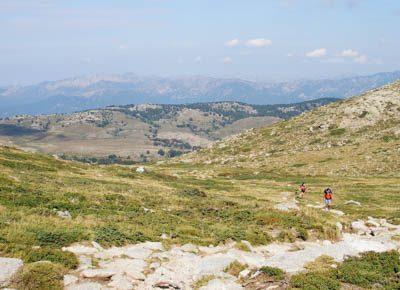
(303, 189)
(328, 195)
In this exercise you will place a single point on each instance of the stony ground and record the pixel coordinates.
(152, 265)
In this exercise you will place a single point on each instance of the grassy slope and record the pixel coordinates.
(107, 204)
(355, 137)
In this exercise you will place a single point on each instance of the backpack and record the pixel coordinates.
(328, 193)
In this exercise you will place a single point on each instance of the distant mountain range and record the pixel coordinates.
(98, 91)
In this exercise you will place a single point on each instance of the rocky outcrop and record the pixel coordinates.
(150, 266)
(8, 268)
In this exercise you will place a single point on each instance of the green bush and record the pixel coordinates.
(57, 238)
(337, 132)
(302, 233)
(40, 276)
(286, 236)
(235, 268)
(193, 192)
(111, 236)
(363, 114)
(314, 281)
(273, 272)
(370, 268)
(67, 259)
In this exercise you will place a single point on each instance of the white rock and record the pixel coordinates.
(219, 284)
(336, 212)
(140, 169)
(64, 214)
(85, 286)
(189, 248)
(137, 252)
(97, 246)
(154, 246)
(339, 226)
(353, 202)
(166, 285)
(286, 206)
(248, 244)
(110, 253)
(80, 250)
(129, 267)
(8, 267)
(360, 227)
(244, 273)
(121, 283)
(154, 265)
(98, 273)
(326, 243)
(69, 280)
(85, 262)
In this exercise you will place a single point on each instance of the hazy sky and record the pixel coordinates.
(259, 39)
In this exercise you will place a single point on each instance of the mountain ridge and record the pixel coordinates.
(141, 132)
(89, 92)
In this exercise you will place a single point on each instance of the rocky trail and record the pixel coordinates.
(150, 265)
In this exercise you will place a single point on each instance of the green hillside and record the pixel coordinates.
(354, 137)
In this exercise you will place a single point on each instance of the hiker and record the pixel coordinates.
(328, 194)
(303, 189)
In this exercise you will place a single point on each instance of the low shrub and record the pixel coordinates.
(370, 268)
(235, 268)
(193, 192)
(337, 132)
(302, 233)
(275, 273)
(57, 237)
(314, 281)
(286, 236)
(67, 259)
(242, 246)
(40, 276)
(110, 235)
(321, 264)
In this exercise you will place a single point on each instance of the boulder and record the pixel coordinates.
(133, 269)
(80, 250)
(360, 227)
(64, 214)
(140, 169)
(8, 267)
(353, 202)
(166, 285)
(137, 252)
(189, 248)
(97, 273)
(219, 284)
(120, 282)
(69, 280)
(85, 286)
(85, 262)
